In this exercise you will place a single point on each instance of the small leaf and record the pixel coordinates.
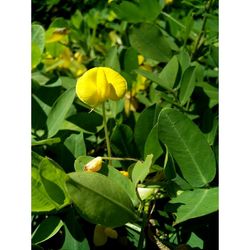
(150, 42)
(49, 141)
(38, 42)
(169, 73)
(145, 123)
(124, 182)
(211, 92)
(184, 60)
(47, 229)
(188, 146)
(76, 145)
(141, 11)
(141, 170)
(59, 110)
(112, 59)
(130, 60)
(48, 187)
(99, 200)
(187, 84)
(70, 243)
(152, 145)
(196, 203)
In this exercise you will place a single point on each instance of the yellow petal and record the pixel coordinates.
(100, 238)
(118, 84)
(111, 233)
(86, 88)
(102, 84)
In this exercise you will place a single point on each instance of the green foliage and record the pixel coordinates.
(47, 229)
(89, 190)
(157, 45)
(192, 204)
(162, 178)
(188, 146)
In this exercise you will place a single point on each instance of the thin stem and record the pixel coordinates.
(106, 132)
(119, 159)
(192, 34)
(142, 233)
(202, 32)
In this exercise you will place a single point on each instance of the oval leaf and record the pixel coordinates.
(150, 42)
(145, 123)
(47, 229)
(187, 84)
(100, 200)
(141, 170)
(196, 203)
(59, 110)
(48, 187)
(188, 146)
(169, 72)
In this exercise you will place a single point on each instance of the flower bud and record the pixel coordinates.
(94, 165)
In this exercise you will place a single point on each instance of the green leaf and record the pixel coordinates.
(184, 60)
(38, 36)
(124, 182)
(144, 124)
(121, 140)
(70, 243)
(49, 141)
(140, 11)
(169, 73)
(211, 92)
(112, 59)
(59, 110)
(99, 200)
(195, 241)
(47, 229)
(75, 144)
(130, 60)
(188, 146)
(48, 187)
(38, 42)
(187, 84)
(196, 203)
(36, 159)
(150, 42)
(152, 145)
(141, 170)
(75, 238)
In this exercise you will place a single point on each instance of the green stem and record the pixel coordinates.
(202, 32)
(142, 233)
(119, 158)
(193, 35)
(106, 132)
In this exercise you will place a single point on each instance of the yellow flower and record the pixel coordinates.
(99, 84)
(102, 233)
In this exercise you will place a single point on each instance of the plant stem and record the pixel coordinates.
(119, 158)
(142, 233)
(207, 8)
(106, 132)
(193, 35)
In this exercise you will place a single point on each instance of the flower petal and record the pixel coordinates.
(86, 88)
